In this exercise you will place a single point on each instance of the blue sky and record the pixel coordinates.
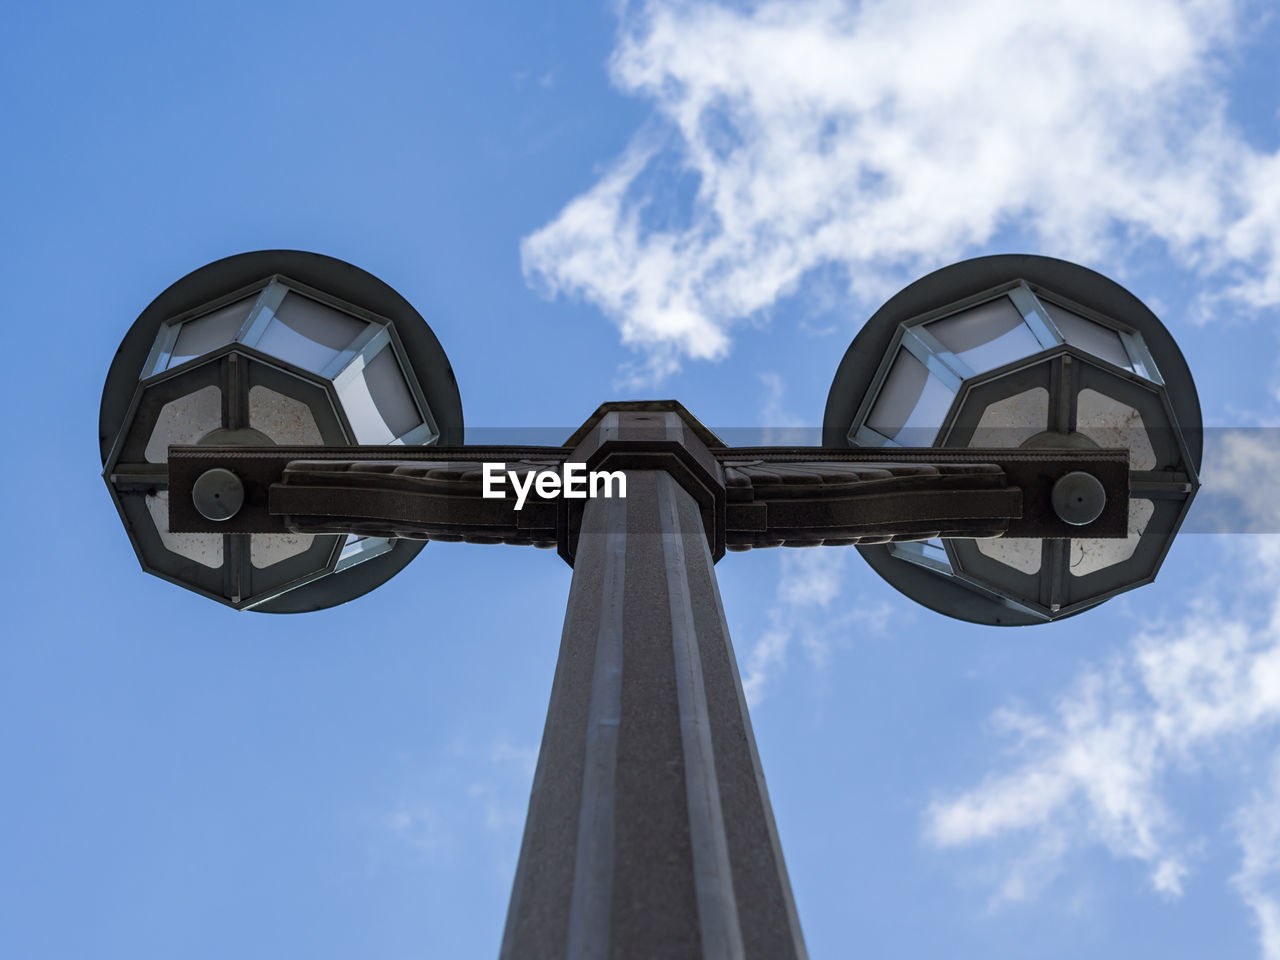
(593, 202)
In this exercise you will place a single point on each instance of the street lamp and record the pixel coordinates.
(275, 347)
(1031, 353)
(649, 831)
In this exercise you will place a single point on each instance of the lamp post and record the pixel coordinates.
(649, 830)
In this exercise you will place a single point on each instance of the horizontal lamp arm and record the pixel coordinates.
(771, 495)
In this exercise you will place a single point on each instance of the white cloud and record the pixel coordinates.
(472, 789)
(894, 135)
(780, 427)
(524, 760)
(417, 825)
(766, 657)
(1096, 769)
(1241, 477)
(809, 580)
(500, 815)
(1258, 880)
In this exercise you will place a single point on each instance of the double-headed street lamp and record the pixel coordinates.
(1009, 440)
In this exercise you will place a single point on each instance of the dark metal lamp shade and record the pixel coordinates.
(1026, 352)
(275, 347)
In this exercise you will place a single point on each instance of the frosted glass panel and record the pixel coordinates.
(1012, 421)
(209, 332)
(911, 404)
(1021, 553)
(986, 336)
(308, 333)
(268, 548)
(283, 419)
(184, 420)
(378, 402)
(1089, 336)
(203, 548)
(1110, 423)
(1089, 554)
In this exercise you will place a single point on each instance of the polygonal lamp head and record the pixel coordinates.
(276, 347)
(1025, 352)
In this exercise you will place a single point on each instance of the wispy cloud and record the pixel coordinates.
(503, 795)
(1258, 880)
(473, 790)
(417, 825)
(779, 426)
(809, 581)
(886, 137)
(1095, 768)
(1241, 477)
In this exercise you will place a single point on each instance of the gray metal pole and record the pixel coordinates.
(649, 833)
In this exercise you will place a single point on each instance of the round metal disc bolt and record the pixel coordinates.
(218, 494)
(1078, 498)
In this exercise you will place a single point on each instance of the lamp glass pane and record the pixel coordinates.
(1021, 553)
(184, 420)
(268, 548)
(203, 548)
(378, 402)
(1110, 423)
(934, 550)
(1089, 336)
(308, 333)
(213, 330)
(1089, 554)
(285, 420)
(358, 549)
(1013, 420)
(930, 554)
(911, 404)
(986, 336)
